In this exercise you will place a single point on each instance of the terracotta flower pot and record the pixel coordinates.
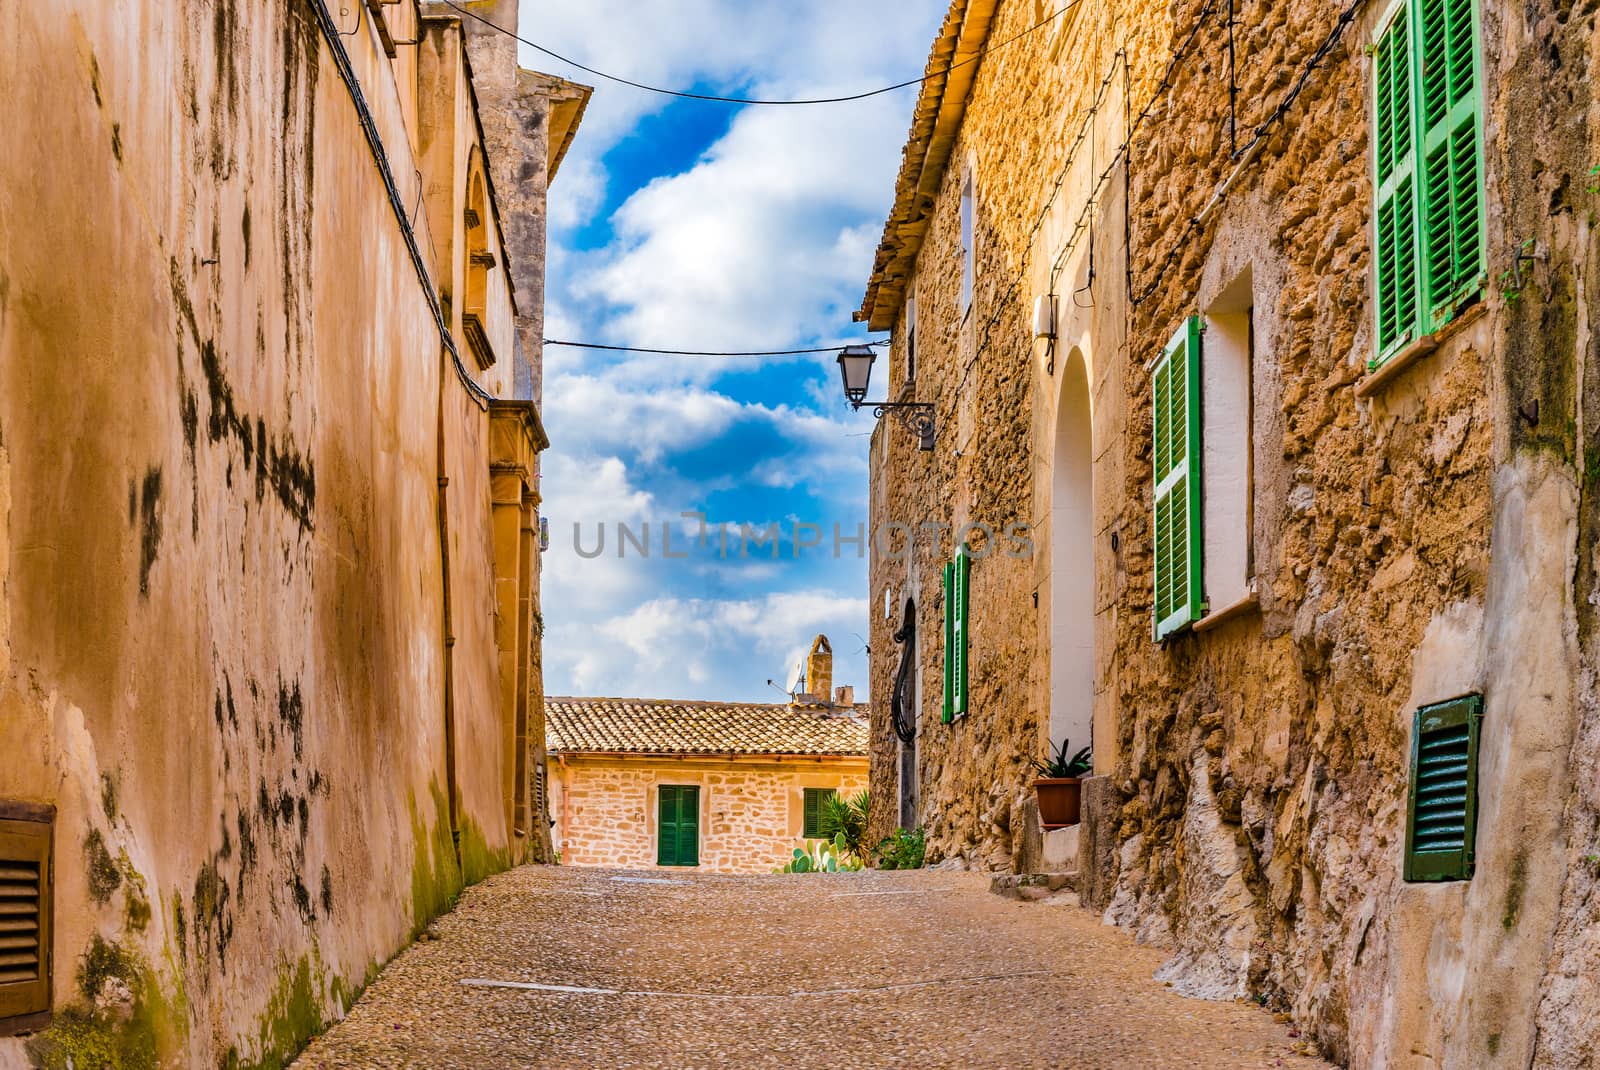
(1059, 799)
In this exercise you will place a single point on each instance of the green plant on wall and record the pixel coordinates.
(823, 857)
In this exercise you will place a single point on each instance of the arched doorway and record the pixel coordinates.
(1072, 562)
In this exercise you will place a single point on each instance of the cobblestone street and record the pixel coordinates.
(563, 967)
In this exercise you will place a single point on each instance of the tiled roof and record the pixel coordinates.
(661, 726)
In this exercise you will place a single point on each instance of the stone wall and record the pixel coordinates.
(751, 816)
(247, 580)
(1412, 540)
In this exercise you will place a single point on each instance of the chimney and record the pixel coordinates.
(819, 669)
(844, 696)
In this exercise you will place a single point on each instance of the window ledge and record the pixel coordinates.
(1250, 603)
(1415, 351)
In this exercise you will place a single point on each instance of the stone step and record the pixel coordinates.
(1033, 886)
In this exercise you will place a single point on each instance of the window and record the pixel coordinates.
(814, 801)
(1428, 236)
(25, 885)
(1226, 345)
(957, 583)
(1177, 528)
(967, 231)
(1442, 804)
(678, 831)
(911, 340)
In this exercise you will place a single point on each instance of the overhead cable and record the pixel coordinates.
(710, 353)
(712, 97)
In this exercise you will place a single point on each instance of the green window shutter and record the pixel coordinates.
(689, 826)
(1448, 90)
(815, 798)
(678, 829)
(963, 584)
(1442, 803)
(1395, 184)
(1176, 457)
(949, 713)
(667, 827)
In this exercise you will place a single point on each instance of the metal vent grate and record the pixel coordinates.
(21, 952)
(1443, 798)
(1442, 760)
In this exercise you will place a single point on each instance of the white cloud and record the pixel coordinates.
(711, 649)
(763, 241)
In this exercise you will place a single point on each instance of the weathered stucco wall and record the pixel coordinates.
(751, 811)
(1411, 543)
(225, 412)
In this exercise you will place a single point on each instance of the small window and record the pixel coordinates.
(815, 800)
(967, 235)
(911, 340)
(25, 886)
(678, 830)
(1442, 805)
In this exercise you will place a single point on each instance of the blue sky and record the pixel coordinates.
(690, 225)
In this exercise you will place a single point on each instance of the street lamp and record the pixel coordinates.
(855, 369)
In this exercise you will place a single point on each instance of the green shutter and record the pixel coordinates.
(1442, 804)
(678, 827)
(689, 826)
(1395, 174)
(812, 809)
(1450, 106)
(1176, 458)
(963, 584)
(949, 713)
(667, 827)
(1428, 227)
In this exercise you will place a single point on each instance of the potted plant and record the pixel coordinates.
(1059, 786)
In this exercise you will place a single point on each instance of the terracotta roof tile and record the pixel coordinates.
(663, 726)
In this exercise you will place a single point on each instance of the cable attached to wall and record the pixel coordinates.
(710, 353)
(369, 127)
(713, 98)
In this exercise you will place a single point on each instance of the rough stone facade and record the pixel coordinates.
(267, 549)
(1412, 535)
(751, 809)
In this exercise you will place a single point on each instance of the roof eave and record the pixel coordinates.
(935, 125)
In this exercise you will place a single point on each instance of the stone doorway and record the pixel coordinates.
(1072, 562)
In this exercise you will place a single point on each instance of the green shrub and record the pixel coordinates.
(903, 850)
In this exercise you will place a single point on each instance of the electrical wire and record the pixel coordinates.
(1248, 154)
(709, 353)
(711, 97)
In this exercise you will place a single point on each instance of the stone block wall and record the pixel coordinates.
(1411, 541)
(751, 817)
(246, 566)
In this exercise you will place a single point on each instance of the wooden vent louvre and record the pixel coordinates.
(25, 880)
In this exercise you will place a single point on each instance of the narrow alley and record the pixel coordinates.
(565, 967)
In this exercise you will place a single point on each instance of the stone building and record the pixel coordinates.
(270, 290)
(1256, 336)
(726, 787)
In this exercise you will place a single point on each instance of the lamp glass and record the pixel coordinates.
(855, 368)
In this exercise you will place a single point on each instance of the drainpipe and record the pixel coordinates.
(448, 622)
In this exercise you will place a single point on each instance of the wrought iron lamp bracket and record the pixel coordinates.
(915, 416)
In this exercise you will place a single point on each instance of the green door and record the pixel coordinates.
(678, 830)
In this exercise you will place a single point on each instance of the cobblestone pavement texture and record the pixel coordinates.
(680, 969)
